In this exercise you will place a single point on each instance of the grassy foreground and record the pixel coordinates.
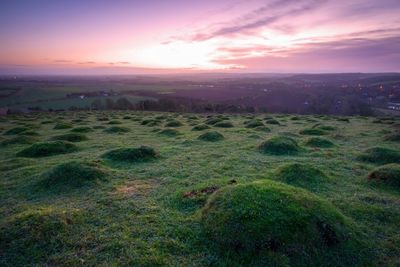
(165, 189)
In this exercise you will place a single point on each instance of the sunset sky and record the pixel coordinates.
(161, 36)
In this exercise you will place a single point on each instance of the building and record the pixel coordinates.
(393, 105)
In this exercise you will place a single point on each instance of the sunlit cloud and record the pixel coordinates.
(218, 35)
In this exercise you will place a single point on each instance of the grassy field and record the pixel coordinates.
(144, 189)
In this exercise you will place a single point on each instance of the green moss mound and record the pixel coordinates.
(326, 127)
(279, 145)
(169, 132)
(212, 121)
(380, 155)
(269, 217)
(312, 131)
(389, 174)
(45, 149)
(72, 174)
(300, 174)
(395, 137)
(140, 154)
(212, 136)
(173, 123)
(71, 137)
(34, 235)
(117, 129)
(113, 122)
(15, 163)
(319, 142)
(224, 124)
(19, 140)
(82, 130)
(253, 124)
(16, 130)
(200, 127)
(272, 121)
(263, 129)
(62, 125)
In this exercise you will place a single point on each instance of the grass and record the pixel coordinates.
(149, 212)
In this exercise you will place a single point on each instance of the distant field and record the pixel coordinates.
(205, 191)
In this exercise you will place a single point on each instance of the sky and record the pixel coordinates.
(173, 36)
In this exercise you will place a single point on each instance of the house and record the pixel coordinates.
(393, 105)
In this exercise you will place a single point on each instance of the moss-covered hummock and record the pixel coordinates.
(174, 123)
(140, 154)
(45, 149)
(269, 217)
(200, 127)
(253, 124)
(62, 125)
(117, 129)
(313, 131)
(300, 174)
(319, 142)
(71, 137)
(212, 136)
(169, 132)
(389, 174)
(279, 145)
(380, 155)
(82, 129)
(36, 234)
(72, 174)
(20, 140)
(16, 130)
(223, 124)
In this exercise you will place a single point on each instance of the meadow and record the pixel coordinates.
(120, 188)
